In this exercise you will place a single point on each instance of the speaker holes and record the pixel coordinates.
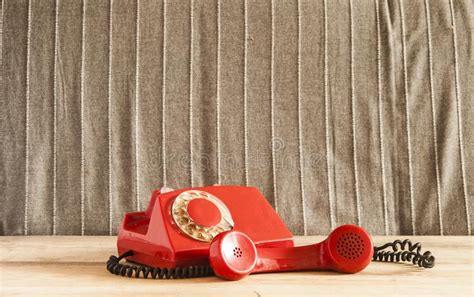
(237, 252)
(350, 246)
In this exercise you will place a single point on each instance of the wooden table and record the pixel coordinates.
(42, 265)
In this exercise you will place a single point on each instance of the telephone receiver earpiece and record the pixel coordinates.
(233, 255)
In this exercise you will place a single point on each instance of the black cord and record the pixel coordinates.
(404, 251)
(115, 267)
(401, 251)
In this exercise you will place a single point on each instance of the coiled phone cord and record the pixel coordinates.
(115, 267)
(404, 251)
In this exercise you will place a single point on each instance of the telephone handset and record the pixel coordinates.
(348, 249)
(233, 231)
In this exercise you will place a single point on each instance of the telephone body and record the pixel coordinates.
(178, 226)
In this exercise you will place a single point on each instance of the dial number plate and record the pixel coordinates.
(180, 214)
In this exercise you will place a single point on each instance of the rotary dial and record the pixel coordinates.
(201, 215)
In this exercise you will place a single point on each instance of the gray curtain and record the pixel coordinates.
(338, 111)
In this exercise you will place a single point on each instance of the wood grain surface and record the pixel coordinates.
(75, 266)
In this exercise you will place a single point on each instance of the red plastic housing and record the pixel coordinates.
(156, 241)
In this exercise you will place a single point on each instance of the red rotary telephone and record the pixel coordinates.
(178, 226)
(233, 231)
